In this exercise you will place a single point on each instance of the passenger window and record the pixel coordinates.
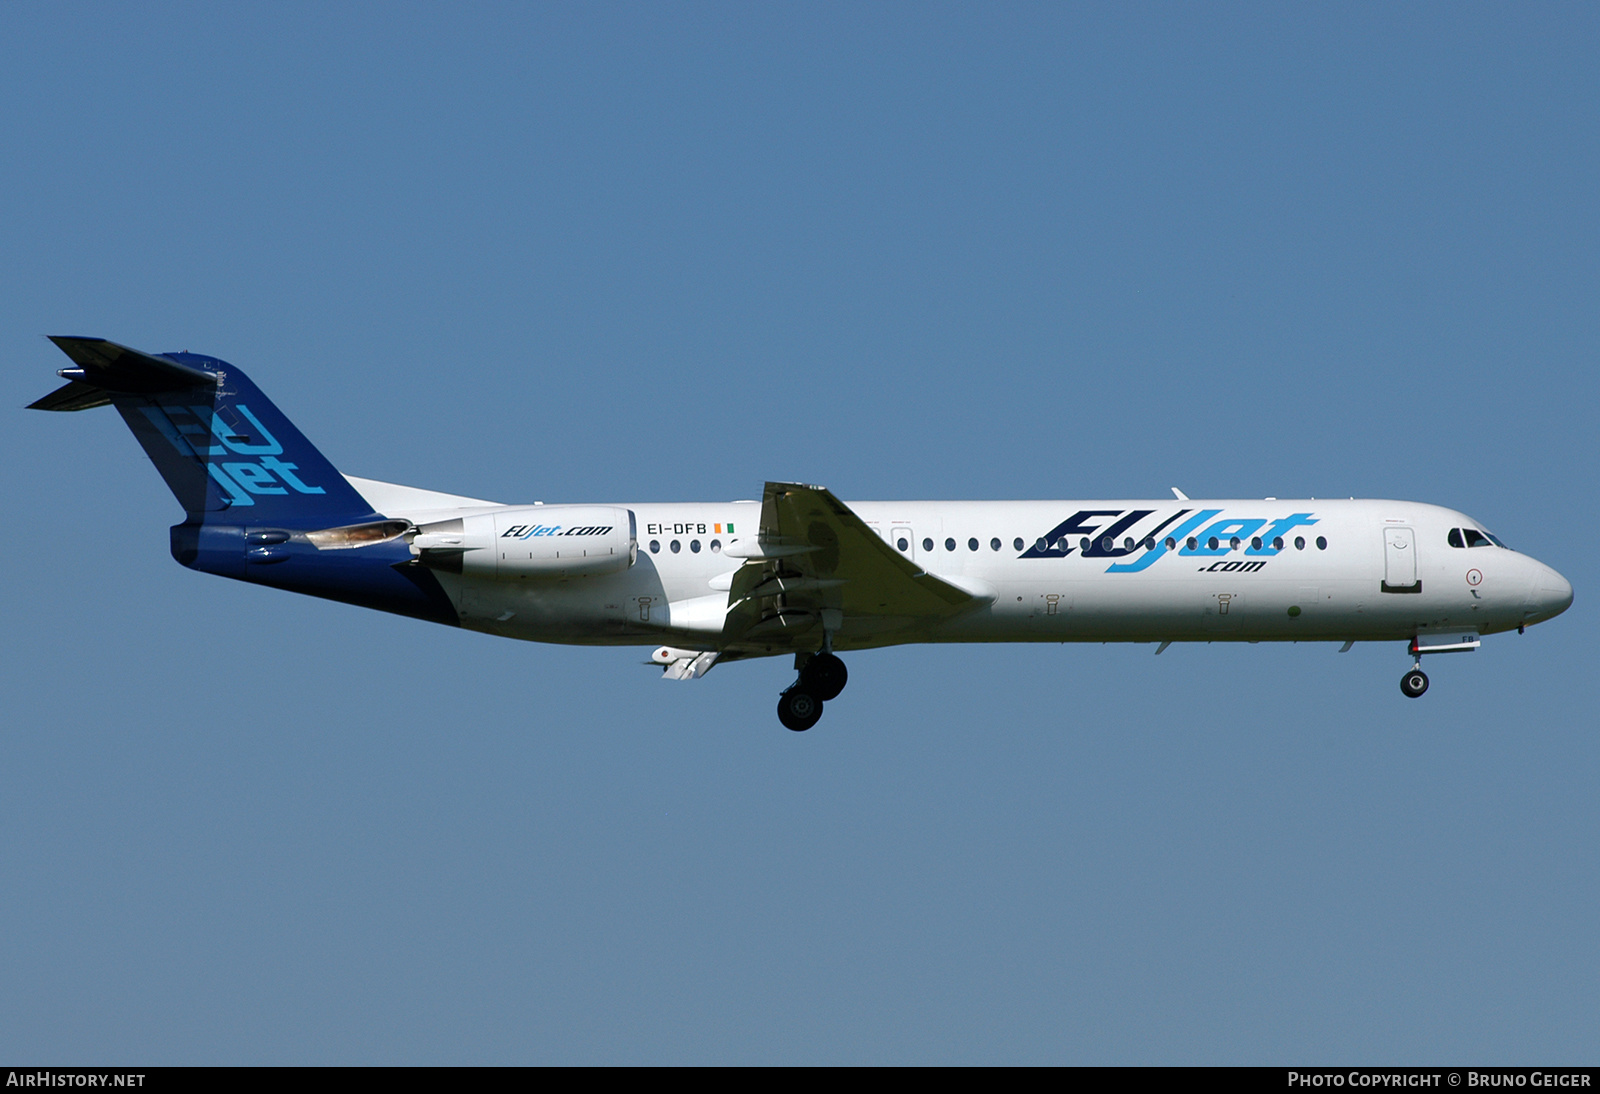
(1016, 543)
(1255, 543)
(949, 545)
(1322, 543)
(676, 546)
(1042, 545)
(655, 546)
(716, 546)
(1172, 544)
(994, 544)
(1277, 543)
(1233, 544)
(927, 544)
(1299, 543)
(1454, 538)
(1083, 544)
(1194, 543)
(1211, 544)
(972, 545)
(1149, 543)
(1476, 538)
(694, 545)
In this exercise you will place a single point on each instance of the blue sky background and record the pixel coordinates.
(646, 252)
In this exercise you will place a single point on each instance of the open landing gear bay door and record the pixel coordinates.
(816, 568)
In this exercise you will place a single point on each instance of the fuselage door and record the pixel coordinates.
(1400, 561)
(904, 540)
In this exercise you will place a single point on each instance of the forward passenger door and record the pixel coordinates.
(1400, 561)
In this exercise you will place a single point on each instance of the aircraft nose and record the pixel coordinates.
(1552, 595)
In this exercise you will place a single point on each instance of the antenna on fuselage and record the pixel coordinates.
(1179, 494)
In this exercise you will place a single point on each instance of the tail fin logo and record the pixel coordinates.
(233, 433)
(203, 434)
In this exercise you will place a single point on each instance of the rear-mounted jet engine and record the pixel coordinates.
(532, 542)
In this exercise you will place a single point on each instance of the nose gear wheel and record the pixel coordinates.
(1414, 683)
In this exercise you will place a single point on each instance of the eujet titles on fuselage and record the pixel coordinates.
(799, 572)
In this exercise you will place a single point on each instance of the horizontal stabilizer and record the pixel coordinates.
(73, 395)
(104, 366)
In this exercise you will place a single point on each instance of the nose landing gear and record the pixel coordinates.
(822, 678)
(1414, 683)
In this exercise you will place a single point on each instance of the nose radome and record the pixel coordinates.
(1552, 595)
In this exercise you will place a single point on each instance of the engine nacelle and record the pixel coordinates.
(534, 541)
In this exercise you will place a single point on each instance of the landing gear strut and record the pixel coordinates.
(822, 677)
(1415, 682)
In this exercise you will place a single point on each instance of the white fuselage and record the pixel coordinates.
(1346, 570)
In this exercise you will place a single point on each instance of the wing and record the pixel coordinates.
(815, 565)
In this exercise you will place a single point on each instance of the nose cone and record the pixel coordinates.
(1552, 595)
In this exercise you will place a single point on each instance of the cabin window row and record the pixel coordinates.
(1106, 543)
(1128, 544)
(677, 545)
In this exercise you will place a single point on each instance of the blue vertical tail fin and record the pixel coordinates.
(220, 444)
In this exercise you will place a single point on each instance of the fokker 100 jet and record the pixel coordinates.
(800, 572)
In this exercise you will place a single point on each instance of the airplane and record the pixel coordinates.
(799, 572)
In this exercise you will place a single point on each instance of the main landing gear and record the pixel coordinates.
(822, 677)
(798, 709)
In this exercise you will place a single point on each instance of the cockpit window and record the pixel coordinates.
(1455, 538)
(1476, 538)
(1496, 540)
